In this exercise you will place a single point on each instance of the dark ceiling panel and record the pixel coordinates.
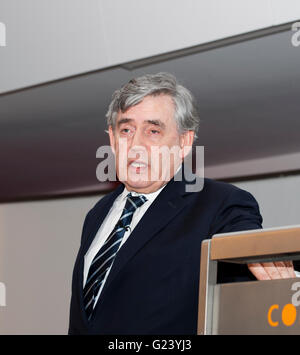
(247, 94)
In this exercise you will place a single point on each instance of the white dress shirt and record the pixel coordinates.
(109, 223)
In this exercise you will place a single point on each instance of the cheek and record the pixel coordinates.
(122, 145)
(173, 156)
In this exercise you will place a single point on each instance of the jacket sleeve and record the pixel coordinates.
(238, 212)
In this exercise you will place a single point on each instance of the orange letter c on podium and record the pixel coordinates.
(272, 324)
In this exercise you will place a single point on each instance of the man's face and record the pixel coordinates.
(143, 138)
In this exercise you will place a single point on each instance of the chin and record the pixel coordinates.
(137, 185)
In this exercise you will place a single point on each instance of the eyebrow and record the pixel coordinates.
(154, 122)
(124, 120)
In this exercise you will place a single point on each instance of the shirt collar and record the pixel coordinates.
(150, 196)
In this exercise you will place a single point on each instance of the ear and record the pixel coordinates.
(111, 138)
(186, 142)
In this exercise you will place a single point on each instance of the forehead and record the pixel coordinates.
(150, 108)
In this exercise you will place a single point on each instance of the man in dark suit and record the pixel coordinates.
(137, 270)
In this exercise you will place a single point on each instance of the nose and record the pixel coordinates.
(137, 149)
(137, 140)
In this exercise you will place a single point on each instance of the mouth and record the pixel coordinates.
(138, 167)
(137, 164)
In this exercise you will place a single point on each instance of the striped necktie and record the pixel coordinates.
(105, 256)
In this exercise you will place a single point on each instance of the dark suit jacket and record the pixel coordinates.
(153, 284)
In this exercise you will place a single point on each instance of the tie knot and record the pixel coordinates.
(134, 202)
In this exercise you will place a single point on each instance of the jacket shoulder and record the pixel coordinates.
(221, 189)
(225, 186)
(110, 197)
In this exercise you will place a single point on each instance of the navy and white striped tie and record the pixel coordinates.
(105, 256)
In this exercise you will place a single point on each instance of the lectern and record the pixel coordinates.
(251, 307)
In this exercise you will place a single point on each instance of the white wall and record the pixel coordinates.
(48, 40)
(51, 39)
(39, 242)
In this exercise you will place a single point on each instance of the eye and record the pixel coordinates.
(125, 131)
(154, 131)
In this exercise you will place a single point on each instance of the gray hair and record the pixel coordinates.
(137, 89)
